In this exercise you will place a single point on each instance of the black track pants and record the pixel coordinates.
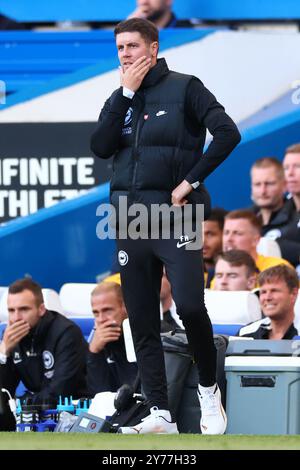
(141, 272)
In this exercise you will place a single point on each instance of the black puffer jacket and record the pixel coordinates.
(157, 138)
(109, 369)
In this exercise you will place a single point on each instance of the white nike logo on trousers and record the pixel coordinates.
(179, 245)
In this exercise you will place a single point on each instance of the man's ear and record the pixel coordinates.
(252, 281)
(42, 310)
(295, 293)
(124, 312)
(154, 48)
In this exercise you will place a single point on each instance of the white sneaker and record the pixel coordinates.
(213, 417)
(159, 421)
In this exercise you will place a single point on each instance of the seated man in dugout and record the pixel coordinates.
(235, 270)
(291, 167)
(107, 365)
(169, 317)
(276, 210)
(212, 242)
(278, 291)
(242, 231)
(41, 348)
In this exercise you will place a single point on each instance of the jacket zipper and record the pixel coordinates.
(136, 153)
(140, 123)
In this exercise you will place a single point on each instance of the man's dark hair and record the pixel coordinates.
(281, 272)
(239, 258)
(147, 30)
(218, 215)
(27, 284)
(247, 215)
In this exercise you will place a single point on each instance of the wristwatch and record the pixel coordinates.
(195, 185)
(128, 93)
(3, 358)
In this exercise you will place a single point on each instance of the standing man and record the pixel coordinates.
(170, 320)
(155, 126)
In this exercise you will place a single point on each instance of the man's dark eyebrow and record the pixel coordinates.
(23, 307)
(132, 43)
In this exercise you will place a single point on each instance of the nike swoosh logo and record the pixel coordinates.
(179, 245)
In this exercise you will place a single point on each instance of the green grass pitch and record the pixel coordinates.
(103, 441)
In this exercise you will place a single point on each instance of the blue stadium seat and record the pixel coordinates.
(85, 324)
(2, 328)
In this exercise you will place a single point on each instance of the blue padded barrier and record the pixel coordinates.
(43, 62)
(228, 329)
(86, 325)
(58, 244)
(115, 10)
(32, 58)
(271, 137)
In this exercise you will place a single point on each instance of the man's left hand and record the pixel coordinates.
(180, 192)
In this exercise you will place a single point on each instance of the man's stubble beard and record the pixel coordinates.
(156, 15)
(271, 206)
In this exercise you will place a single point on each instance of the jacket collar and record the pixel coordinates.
(172, 23)
(282, 215)
(43, 325)
(266, 328)
(155, 74)
(38, 333)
